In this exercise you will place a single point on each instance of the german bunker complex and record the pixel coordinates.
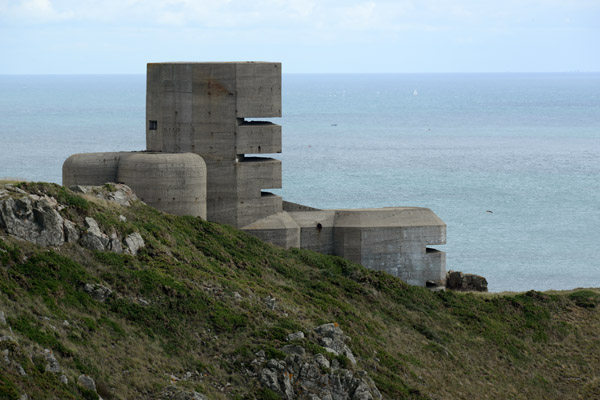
(205, 157)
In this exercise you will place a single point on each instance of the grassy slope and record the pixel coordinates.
(412, 342)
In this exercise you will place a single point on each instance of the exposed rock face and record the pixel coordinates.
(302, 375)
(51, 362)
(332, 339)
(34, 220)
(456, 280)
(134, 242)
(98, 292)
(94, 238)
(116, 192)
(87, 382)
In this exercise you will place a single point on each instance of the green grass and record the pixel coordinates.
(175, 308)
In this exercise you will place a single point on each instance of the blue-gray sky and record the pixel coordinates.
(121, 36)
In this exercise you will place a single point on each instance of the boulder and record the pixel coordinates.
(32, 219)
(456, 280)
(97, 291)
(134, 242)
(87, 382)
(51, 362)
(312, 376)
(94, 238)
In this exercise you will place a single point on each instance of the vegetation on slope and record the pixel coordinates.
(195, 306)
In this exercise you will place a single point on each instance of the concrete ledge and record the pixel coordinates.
(256, 173)
(258, 138)
(279, 229)
(252, 209)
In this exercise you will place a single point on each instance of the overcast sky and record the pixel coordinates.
(121, 36)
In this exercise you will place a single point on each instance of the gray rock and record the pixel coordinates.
(2, 318)
(97, 291)
(295, 336)
(134, 242)
(312, 376)
(14, 189)
(175, 393)
(7, 338)
(115, 192)
(80, 189)
(34, 220)
(51, 362)
(64, 379)
(456, 280)
(322, 361)
(71, 231)
(270, 301)
(115, 244)
(86, 382)
(122, 218)
(94, 238)
(20, 369)
(332, 338)
(293, 349)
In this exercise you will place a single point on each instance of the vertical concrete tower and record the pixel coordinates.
(203, 108)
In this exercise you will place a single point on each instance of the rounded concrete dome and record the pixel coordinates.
(173, 183)
(90, 169)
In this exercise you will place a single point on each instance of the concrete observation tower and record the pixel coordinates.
(204, 158)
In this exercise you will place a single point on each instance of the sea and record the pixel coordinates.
(510, 162)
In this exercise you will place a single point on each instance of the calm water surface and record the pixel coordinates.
(524, 146)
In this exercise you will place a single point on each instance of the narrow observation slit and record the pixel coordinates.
(153, 125)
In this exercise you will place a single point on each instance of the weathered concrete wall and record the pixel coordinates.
(280, 229)
(201, 108)
(316, 230)
(394, 240)
(173, 183)
(90, 169)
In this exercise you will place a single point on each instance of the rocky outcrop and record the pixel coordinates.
(134, 243)
(97, 291)
(328, 375)
(34, 219)
(115, 192)
(37, 219)
(456, 280)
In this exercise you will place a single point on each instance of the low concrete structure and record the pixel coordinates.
(202, 108)
(175, 183)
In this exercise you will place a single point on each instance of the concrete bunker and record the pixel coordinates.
(207, 135)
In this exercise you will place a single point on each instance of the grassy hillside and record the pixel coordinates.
(194, 307)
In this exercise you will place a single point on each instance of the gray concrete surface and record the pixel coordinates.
(394, 240)
(173, 183)
(202, 108)
(90, 169)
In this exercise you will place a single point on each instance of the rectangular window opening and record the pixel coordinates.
(153, 125)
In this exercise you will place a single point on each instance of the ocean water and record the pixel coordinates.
(511, 162)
